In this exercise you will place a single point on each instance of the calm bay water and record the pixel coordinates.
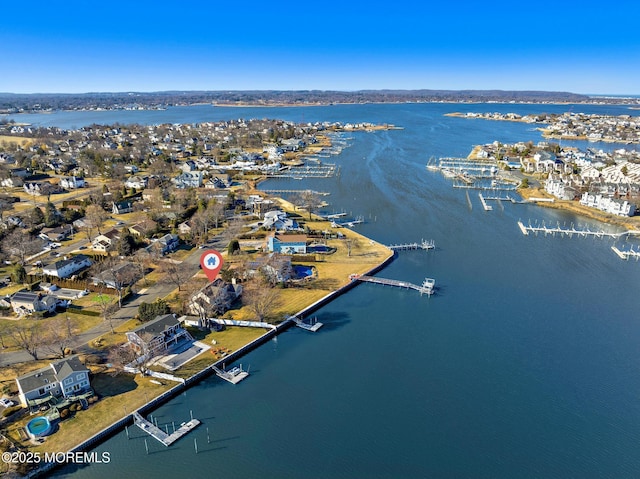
(525, 364)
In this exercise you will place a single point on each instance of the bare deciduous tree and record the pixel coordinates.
(175, 273)
(59, 333)
(28, 336)
(261, 299)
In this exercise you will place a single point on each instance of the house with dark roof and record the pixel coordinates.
(106, 241)
(25, 302)
(214, 299)
(65, 378)
(158, 335)
(122, 207)
(67, 267)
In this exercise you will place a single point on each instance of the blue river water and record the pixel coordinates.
(526, 363)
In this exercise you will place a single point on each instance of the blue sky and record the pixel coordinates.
(81, 46)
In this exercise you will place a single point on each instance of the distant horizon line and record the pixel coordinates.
(474, 90)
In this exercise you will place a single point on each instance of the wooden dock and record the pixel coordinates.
(163, 436)
(233, 375)
(427, 287)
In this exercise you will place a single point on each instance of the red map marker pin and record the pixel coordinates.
(211, 262)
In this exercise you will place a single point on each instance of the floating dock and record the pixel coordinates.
(233, 375)
(427, 287)
(313, 326)
(162, 436)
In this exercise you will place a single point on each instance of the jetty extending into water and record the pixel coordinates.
(163, 436)
(424, 244)
(293, 192)
(427, 287)
(571, 231)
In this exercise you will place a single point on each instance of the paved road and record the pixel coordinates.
(81, 343)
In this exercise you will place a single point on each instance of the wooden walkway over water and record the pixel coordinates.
(163, 436)
(427, 287)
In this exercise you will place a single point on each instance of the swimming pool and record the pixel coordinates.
(303, 271)
(38, 427)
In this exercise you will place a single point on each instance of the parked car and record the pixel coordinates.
(6, 402)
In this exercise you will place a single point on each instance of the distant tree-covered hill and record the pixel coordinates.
(11, 103)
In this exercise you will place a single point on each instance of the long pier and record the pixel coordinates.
(424, 244)
(277, 192)
(162, 436)
(572, 231)
(427, 287)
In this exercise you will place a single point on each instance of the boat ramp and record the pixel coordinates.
(163, 436)
(233, 375)
(427, 287)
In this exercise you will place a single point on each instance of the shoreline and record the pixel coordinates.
(164, 397)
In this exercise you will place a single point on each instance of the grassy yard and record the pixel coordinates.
(120, 395)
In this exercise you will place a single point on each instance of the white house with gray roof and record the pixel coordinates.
(26, 302)
(67, 267)
(64, 378)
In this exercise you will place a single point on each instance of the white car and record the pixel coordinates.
(6, 402)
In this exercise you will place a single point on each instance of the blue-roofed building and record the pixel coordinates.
(287, 244)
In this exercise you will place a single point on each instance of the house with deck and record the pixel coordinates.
(26, 303)
(65, 378)
(158, 335)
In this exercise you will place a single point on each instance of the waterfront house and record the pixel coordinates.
(25, 303)
(287, 244)
(157, 336)
(64, 378)
(607, 204)
(214, 299)
(279, 221)
(67, 267)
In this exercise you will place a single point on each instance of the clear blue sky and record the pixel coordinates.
(84, 46)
